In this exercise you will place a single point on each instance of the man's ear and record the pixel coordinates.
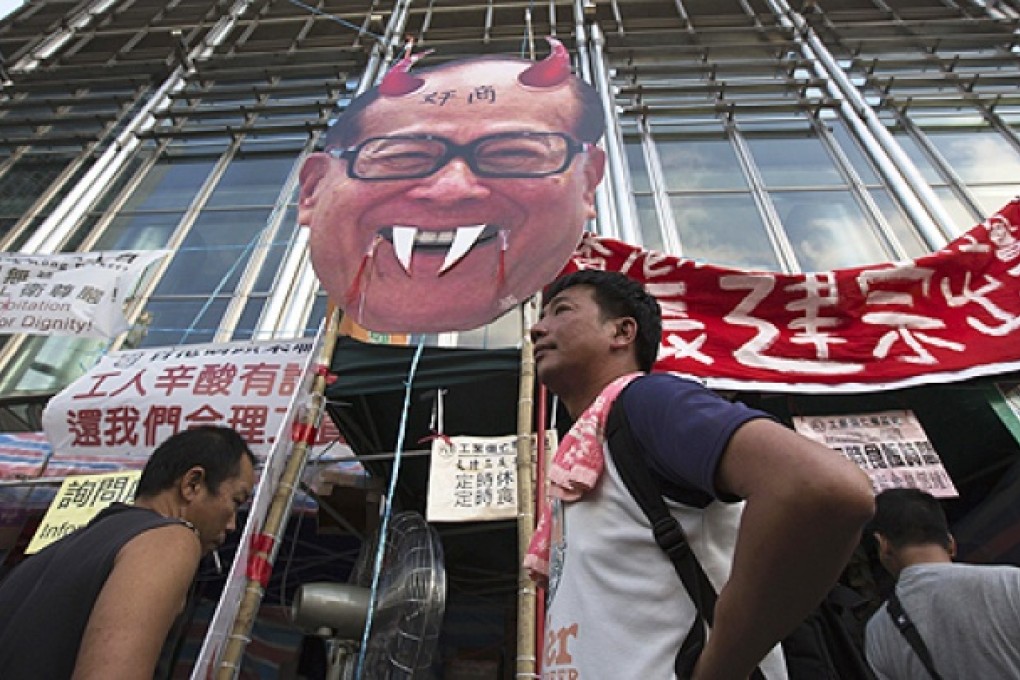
(624, 331)
(952, 546)
(594, 169)
(313, 170)
(192, 481)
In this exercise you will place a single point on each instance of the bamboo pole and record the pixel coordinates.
(526, 592)
(542, 458)
(229, 665)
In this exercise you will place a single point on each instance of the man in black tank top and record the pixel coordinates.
(99, 602)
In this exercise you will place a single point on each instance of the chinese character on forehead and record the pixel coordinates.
(439, 98)
(482, 93)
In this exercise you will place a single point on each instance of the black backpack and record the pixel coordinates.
(822, 647)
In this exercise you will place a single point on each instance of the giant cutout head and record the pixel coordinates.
(446, 196)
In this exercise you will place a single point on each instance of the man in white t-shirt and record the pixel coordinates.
(616, 606)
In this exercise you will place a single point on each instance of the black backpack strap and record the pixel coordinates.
(910, 632)
(629, 459)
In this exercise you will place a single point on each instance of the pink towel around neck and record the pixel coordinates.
(575, 470)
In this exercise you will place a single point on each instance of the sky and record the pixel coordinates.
(8, 6)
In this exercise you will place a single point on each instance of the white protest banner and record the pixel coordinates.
(891, 446)
(475, 478)
(130, 401)
(79, 499)
(247, 564)
(80, 294)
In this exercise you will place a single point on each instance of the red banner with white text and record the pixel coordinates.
(947, 316)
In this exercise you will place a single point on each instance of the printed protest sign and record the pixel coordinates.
(131, 401)
(891, 446)
(79, 294)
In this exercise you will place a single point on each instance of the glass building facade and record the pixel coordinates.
(751, 133)
(786, 135)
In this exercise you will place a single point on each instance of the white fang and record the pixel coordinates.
(403, 245)
(462, 243)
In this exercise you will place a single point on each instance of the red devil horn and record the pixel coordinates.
(549, 72)
(398, 80)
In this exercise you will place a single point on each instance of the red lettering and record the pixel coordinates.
(556, 645)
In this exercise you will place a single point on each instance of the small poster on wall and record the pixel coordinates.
(475, 478)
(891, 446)
(79, 499)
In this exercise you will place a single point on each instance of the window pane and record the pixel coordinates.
(49, 363)
(316, 315)
(828, 230)
(245, 329)
(993, 199)
(648, 217)
(852, 150)
(697, 164)
(170, 185)
(267, 274)
(909, 238)
(919, 158)
(636, 164)
(145, 231)
(794, 162)
(252, 181)
(177, 322)
(724, 230)
(23, 183)
(979, 156)
(215, 250)
(962, 217)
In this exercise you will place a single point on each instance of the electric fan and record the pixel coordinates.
(410, 600)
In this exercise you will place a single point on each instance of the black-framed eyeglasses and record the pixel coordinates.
(510, 155)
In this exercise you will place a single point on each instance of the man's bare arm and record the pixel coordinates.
(806, 506)
(136, 608)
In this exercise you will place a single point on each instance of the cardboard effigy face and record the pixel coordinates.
(444, 197)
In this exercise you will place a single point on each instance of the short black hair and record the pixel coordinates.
(910, 517)
(616, 296)
(216, 449)
(589, 127)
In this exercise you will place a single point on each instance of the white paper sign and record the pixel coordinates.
(891, 446)
(130, 401)
(475, 478)
(79, 294)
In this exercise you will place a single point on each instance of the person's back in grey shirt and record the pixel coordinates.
(967, 615)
